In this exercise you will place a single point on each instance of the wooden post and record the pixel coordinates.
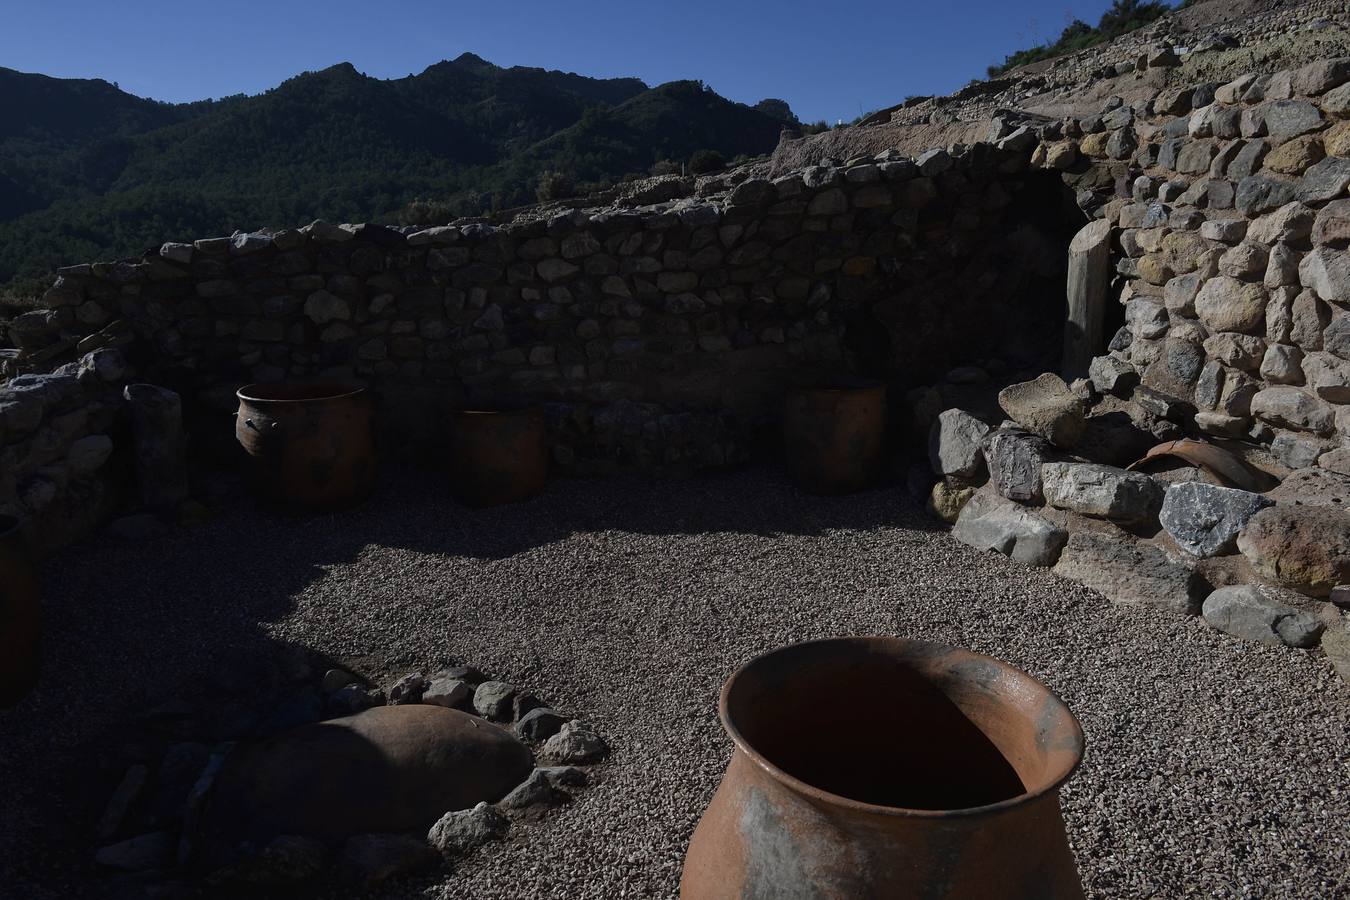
(1089, 274)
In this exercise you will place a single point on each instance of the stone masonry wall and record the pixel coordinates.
(656, 336)
(1230, 250)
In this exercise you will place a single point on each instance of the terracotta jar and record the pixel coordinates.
(833, 434)
(497, 456)
(887, 768)
(311, 444)
(20, 616)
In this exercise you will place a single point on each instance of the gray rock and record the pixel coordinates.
(493, 700)
(124, 799)
(408, 689)
(88, 454)
(1297, 451)
(1327, 272)
(160, 444)
(1015, 458)
(565, 776)
(1046, 406)
(1290, 407)
(156, 850)
(1100, 491)
(1130, 571)
(954, 444)
(1204, 519)
(460, 831)
(449, 692)
(533, 793)
(991, 522)
(1249, 612)
(540, 724)
(576, 743)
(1282, 364)
(1112, 375)
(1325, 180)
(1287, 119)
(336, 679)
(354, 698)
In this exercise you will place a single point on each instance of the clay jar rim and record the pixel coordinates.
(304, 392)
(1050, 785)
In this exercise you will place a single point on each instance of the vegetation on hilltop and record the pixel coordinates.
(90, 172)
(1122, 17)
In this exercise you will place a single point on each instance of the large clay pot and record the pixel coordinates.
(887, 768)
(311, 444)
(833, 433)
(20, 616)
(497, 456)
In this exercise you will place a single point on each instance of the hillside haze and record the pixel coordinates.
(90, 171)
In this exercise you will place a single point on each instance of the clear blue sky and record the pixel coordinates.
(828, 60)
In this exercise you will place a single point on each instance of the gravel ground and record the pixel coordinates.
(1215, 768)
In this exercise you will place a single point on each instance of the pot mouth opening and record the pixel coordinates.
(299, 391)
(900, 728)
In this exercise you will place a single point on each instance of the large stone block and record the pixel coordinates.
(1204, 519)
(991, 522)
(1100, 491)
(1131, 572)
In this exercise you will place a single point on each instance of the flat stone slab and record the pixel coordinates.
(1249, 611)
(1133, 572)
(1204, 519)
(991, 522)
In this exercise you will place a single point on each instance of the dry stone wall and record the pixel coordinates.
(655, 336)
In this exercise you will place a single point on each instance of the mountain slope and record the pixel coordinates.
(87, 170)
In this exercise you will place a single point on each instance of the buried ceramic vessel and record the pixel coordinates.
(887, 768)
(310, 444)
(497, 456)
(833, 434)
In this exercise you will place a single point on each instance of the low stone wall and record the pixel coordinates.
(656, 336)
(59, 471)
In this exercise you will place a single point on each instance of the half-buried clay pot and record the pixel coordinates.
(388, 769)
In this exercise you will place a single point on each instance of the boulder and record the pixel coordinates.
(1100, 491)
(1045, 405)
(459, 831)
(1204, 519)
(991, 522)
(947, 498)
(493, 700)
(1015, 458)
(1132, 572)
(954, 444)
(576, 744)
(388, 769)
(1250, 612)
(1306, 548)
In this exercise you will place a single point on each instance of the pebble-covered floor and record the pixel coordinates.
(1215, 768)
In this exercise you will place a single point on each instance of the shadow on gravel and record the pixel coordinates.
(153, 644)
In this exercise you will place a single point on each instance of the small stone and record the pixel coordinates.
(1112, 375)
(954, 444)
(322, 307)
(375, 858)
(1282, 364)
(947, 498)
(576, 743)
(408, 689)
(1204, 519)
(540, 724)
(1226, 304)
(534, 793)
(1249, 612)
(1337, 461)
(991, 522)
(1336, 645)
(448, 692)
(493, 699)
(354, 698)
(460, 831)
(1015, 458)
(1100, 491)
(1291, 407)
(1296, 451)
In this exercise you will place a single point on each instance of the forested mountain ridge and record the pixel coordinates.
(89, 171)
